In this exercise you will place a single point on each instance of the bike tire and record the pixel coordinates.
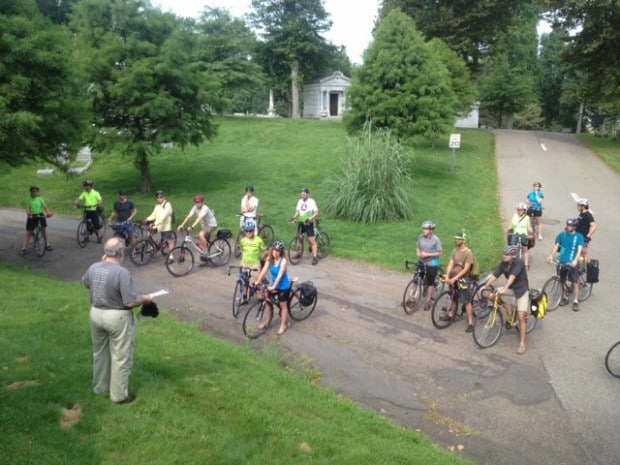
(142, 253)
(324, 245)
(253, 318)
(612, 360)
(554, 291)
(441, 308)
(488, 327)
(38, 241)
(82, 234)
(297, 311)
(267, 235)
(295, 250)
(585, 288)
(237, 244)
(219, 252)
(531, 324)
(237, 298)
(180, 261)
(412, 296)
(480, 299)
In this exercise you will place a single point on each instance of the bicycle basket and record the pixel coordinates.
(308, 293)
(224, 234)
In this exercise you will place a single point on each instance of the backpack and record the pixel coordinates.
(474, 273)
(173, 217)
(308, 294)
(538, 303)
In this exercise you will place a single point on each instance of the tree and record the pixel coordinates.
(401, 85)
(144, 85)
(293, 46)
(41, 115)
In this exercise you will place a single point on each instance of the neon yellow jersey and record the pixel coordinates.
(251, 250)
(90, 199)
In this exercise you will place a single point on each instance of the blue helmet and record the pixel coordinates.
(249, 226)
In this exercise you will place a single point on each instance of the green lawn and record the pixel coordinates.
(607, 148)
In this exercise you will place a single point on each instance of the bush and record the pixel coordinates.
(371, 184)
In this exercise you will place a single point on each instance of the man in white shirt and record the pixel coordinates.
(249, 206)
(305, 213)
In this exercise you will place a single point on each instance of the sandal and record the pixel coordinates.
(263, 325)
(282, 330)
(521, 350)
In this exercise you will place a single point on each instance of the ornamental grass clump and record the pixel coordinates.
(371, 183)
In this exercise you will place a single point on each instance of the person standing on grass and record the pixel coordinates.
(306, 212)
(112, 322)
(428, 249)
(35, 206)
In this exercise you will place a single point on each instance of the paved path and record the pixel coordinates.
(557, 398)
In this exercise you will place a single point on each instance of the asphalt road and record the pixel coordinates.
(555, 404)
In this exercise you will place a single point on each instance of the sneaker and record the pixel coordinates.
(315, 260)
(540, 238)
(469, 329)
(575, 306)
(127, 400)
(244, 302)
(564, 301)
(49, 248)
(23, 252)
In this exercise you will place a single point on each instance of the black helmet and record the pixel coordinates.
(572, 222)
(34, 188)
(159, 194)
(88, 182)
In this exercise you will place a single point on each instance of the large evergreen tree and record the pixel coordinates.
(402, 85)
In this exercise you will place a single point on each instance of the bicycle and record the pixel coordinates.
(265, 232)
(612, 360)
(444, 300)
(253, 319)
(120, 231)
(296, 246)
(38, 239)
(180, 260)
(144, 250)
(489, 324)
(86, 228)
(416, 289)
(240, 295)
(557, 288)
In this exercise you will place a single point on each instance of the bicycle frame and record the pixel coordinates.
(489, 325)
(417, 288)
(296, 246)
(180, 260)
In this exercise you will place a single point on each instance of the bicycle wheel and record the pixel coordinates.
(142, 253)
(82, 234)
(585, 288)
(296, 310)
(266, 234)
(488, 327)
(554, 291)
(237, 298)
(440, 310)
(531, 324)
(324, 245)
(612, 360)
(236, 245)
(180, 261)
(480, 299)
(254, 319)
(412, 296)
(296, 250)
(219, 252)
(38, 241)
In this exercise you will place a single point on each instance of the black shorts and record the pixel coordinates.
(519, 239)
(430, 274)
(534, 212)
(283, 295)
(31, 222)
(307, 228)
(94, 216)
(570, 272)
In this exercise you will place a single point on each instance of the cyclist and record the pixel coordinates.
(570, 243)
(460, 265)
(249, 206)
(305, 213)
(252, 248)
(516, 290)
(534, 201)
(162, 219)
(92, 202)
(204, 217)
(519, 230)
(428, 249)
(585, 225)
(280, 285)
(35, 206)
(124, 212)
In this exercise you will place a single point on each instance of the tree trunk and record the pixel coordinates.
(580, 117)
(295, 91)
(145, 172)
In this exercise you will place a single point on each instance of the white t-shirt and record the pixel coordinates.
(306, 209)
(207, 216)
(247, 203)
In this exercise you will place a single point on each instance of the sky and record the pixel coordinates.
(352, 26)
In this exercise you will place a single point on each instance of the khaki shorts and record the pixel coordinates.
(508, 296)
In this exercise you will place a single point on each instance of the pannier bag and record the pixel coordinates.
(592, 271)
(308, 293)
(224, 234)
(538, 303)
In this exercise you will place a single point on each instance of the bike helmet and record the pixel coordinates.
(511, 250)
(34, 188)
(198, 198)
(583, 203)
(159, 194)
(536, 183)
(572, 222)
(278, 245)
(521, 206)
(88, 183)
(305, 190)
(249, 226)
(428, 225)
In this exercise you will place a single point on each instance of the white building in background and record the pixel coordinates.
(470, 120)
(324, 96)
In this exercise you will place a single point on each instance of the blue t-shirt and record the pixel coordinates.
(534, 200)
(285, 282)
(570, 244)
